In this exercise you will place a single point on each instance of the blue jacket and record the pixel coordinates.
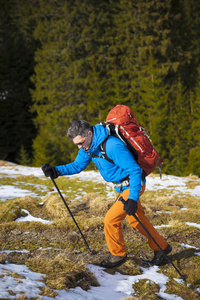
(124, 163)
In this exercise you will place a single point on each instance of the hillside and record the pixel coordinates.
(43, 256)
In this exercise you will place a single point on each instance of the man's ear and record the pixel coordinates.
(90, 133)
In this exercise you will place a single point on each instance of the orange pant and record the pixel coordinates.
(113, 227)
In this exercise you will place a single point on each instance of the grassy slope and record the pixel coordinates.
(64, 268)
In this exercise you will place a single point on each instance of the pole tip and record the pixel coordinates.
(184, 277)
(93, 252)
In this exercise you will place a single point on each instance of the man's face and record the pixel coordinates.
(83, 142)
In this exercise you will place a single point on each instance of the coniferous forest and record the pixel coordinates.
(62, 60)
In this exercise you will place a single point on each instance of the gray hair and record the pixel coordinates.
(80, 127)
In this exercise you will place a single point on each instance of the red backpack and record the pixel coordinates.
(122, 123)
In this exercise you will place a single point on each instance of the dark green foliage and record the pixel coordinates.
(194, 153)
(16, 61)
(90, 55)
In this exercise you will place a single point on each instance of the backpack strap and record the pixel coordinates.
(103, 151)
(95, 156)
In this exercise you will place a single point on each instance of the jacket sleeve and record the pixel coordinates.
(79, 164)
(121, 156)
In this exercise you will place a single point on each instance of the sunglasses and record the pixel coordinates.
(81, 142)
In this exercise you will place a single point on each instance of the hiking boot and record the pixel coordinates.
(113, 261)
(159, 256)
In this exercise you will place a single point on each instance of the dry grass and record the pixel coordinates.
(145, 289)
(11, 209)
(63, 272)
(5, 163)
(98, 205)
(55, 206)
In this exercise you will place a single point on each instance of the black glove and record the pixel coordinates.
(130, 206)
(50, 171)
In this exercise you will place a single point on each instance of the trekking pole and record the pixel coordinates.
(182, 276)
(92, 252)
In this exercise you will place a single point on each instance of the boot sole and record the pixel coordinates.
(112, 265)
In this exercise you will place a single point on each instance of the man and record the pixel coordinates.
(125, 173)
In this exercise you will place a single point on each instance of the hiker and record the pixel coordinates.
(125, 174)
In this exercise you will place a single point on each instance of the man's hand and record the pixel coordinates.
(50, 171)
(130, 206)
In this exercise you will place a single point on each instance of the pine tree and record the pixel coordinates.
(194, 151)
(178, 137)
(24, 157)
